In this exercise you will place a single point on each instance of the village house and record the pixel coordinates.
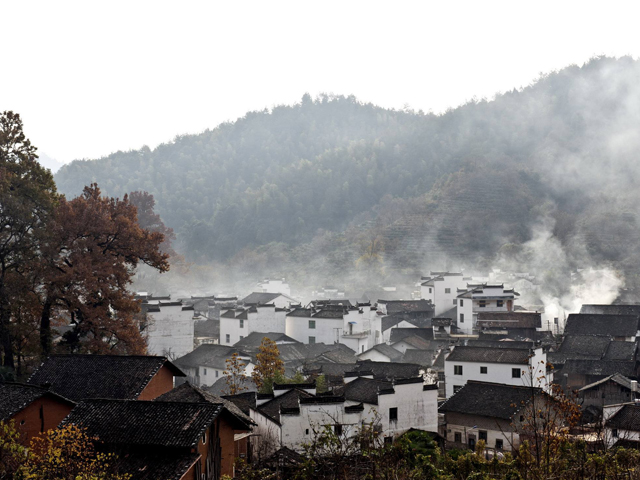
(34, 410)
(280, 300)
(206, 331)
(487, 411)
(381, 353)
(474, 299)
(619, 327)
(207, 363)
(511, 366)
(163, 439)
(295, 413)
(441, 288)
(622, 425)
(130, 377)
(251, 343)
(170, 328)
(611, 390)
(238, 323)
(520, 324)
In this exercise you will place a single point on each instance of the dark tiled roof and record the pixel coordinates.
(488, 399)
(627, 418)
(245, 401)
(300, 312)
(499, 344)
(16, 396)
(421, 357)
(398, 334)
(207, 328)
(630, 309)
(416, 342)
(416, 319)
(609, 325)
(330, 313)
(145, 466)
(339, 355)
(260, 298)
(386, 350)
(254, 340)
(190, 393)
(209, 355)
(407, 306)
(364, 390)
(599, 367)
(584, 346)
(220, 386)
(99, 376)
(389, 370)
(441, 322)
(509, 320)
(148, 423)
(287, 400)
(617, 350)
(616, 378)
(488, 355)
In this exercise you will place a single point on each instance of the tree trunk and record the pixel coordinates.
(5, 334)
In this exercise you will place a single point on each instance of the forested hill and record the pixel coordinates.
(465, 183)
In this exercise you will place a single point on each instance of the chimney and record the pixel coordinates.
(634, 386)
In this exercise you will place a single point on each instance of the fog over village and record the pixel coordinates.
(320, 241)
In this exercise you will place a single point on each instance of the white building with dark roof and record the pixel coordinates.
(511, 366)
(170, 328)
(442, 289)
(474, 299)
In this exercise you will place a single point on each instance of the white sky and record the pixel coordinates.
(91, 78)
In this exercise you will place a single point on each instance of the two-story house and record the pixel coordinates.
(207, 363)
(474, 299)
(170, 328)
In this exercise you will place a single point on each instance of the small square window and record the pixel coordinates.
(483, 370)
(429, 290)
(447, 290)
(241, 323)
(337, 429)
(516, 373)
(482, 303)
(462, 318)
(312, 324)
(461, 302)
(388, 440)
(455, 302)
(241, 337)
(614, 433)
(393, 414)
(457, 369)
(499, 444)
(217, 373)
(205, 371)
(306, 432)
(312, 340)
(482, 435)
(228, 338)
(499, 303)
(457, 437)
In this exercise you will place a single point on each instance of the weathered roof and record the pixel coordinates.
(220, 386)
(254, 340)
(509, 319)
(388, 351)
(207, 328)
(407, 306)
(209, 355)
(328, 313)
(441, 322)
(245, 401)
(364, 390)
(148, 423)
(416, 342)
(421, 357)
(608, 325)
(584, 346)
(271, 409)
(488, 355)
(489, 399)
(190, 393)
(619, 350)
(416, 318)
(16, 396)
(627, 418)
(398, 334)
(616, 378)
(300, 312)
(626, 309)
(169, 465)
(78, 377)
(260, 298)
(598, 367)
(500, 344)
(388, 370)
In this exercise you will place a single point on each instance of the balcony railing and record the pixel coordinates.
(355, 333)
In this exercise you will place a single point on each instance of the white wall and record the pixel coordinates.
(417, 408)
(170, 331)
(498, 373)
(445, 301)
(374, 356)
(466, 319)
(326, 331)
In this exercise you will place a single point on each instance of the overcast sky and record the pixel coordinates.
(91, 78)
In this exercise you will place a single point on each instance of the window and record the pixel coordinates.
(217, 373)
(241, 323)
(482, 435)
(457, 437)
(483, 370)
(241, 337)
(429, 290)
(457, 369)
(204, 438)
(482, 303)
(522, 418)
(312, 324)
(312, 340)
(461, 302)
(393, 414)
(228, 338)
(456, 388)
(499, 444)
(462, 318)
(499, 303)
(306, 432)
(447, 290)
(614, 433)
(516, 373)
(205, 371)
(388, 440)
(337, 429)
(362, 349)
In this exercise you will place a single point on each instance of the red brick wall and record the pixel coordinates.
(29, 423)
(228, 447)
(161, 383)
